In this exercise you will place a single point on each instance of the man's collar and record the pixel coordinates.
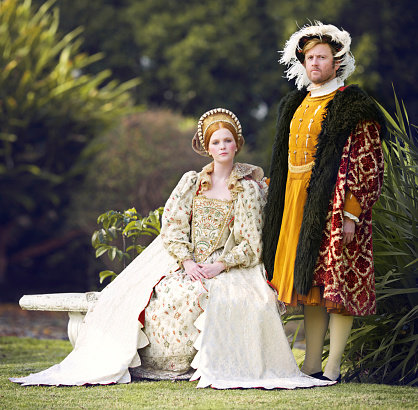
(326, 88)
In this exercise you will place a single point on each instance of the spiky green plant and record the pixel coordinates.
(383, 348)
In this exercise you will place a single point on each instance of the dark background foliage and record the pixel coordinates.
(193, 55)
(189, 56)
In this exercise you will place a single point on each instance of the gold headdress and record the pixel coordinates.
(209, 118)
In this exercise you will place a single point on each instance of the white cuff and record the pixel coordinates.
(351, 216)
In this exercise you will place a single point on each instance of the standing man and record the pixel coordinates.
(326, 173)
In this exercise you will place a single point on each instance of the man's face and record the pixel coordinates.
(319, 64)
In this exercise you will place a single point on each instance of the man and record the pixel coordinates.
(326, 173)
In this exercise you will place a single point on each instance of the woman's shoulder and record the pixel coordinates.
(186, 182)
(251, 176)
(188, 178)
(250, 179)
(248, 172)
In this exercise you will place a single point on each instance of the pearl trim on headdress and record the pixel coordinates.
(220, 115)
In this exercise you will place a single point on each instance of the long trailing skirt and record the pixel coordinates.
(240, 344)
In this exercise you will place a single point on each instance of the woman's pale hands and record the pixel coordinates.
(210, 270)
(193, 270)
(198, 271)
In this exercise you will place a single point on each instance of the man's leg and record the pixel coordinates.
(339, 332)
(316, 321)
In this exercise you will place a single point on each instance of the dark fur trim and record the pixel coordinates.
(344, 112)
(273, 210)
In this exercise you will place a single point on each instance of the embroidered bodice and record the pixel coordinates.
(211, 222)
(195, 226)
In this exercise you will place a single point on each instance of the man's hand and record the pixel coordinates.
(349, 227)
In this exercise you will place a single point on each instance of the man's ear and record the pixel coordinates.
(337, 65)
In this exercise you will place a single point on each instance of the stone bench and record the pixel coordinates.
(76, 304)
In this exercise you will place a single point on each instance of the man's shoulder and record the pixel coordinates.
(352, 104)
(354, 98)
(352, 91)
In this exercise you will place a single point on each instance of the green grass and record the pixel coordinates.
(20, 356)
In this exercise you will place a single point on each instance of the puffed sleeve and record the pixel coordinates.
(247, 228)
(175, 230)
(365, 173)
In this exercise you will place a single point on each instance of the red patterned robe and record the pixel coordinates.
(347, 272)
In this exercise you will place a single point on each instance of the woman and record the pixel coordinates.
(199, 286)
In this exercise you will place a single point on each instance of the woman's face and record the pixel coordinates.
(222, 146)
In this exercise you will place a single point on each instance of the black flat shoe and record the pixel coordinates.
(318, 375)
(326, 378)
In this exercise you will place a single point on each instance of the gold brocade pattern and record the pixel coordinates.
(210, 221)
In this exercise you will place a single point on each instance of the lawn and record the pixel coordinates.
(20, 356)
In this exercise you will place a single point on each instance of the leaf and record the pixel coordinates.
(119, 254)
(112, 232)
(111, 253)
(105, 274)
(94, 239)
(101, 236)
(100, 251)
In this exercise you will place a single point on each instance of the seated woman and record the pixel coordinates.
(197, 296)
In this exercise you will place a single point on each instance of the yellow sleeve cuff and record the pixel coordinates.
(351, 205)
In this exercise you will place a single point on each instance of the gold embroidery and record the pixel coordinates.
(210, 219)
(299, 169)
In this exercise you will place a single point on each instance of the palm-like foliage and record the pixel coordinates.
(382, 348)
(49, 108)
(50, 111)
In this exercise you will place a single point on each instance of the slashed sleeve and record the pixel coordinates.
(175, 231)
(247, 227)
(366, 166)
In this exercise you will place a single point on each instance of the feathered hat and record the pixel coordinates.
(209, 118)
(293, 57)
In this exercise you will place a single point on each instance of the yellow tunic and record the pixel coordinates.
(304, 129)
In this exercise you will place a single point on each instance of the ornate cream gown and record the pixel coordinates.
(228, 328)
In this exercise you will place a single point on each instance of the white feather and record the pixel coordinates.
(296, 68)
